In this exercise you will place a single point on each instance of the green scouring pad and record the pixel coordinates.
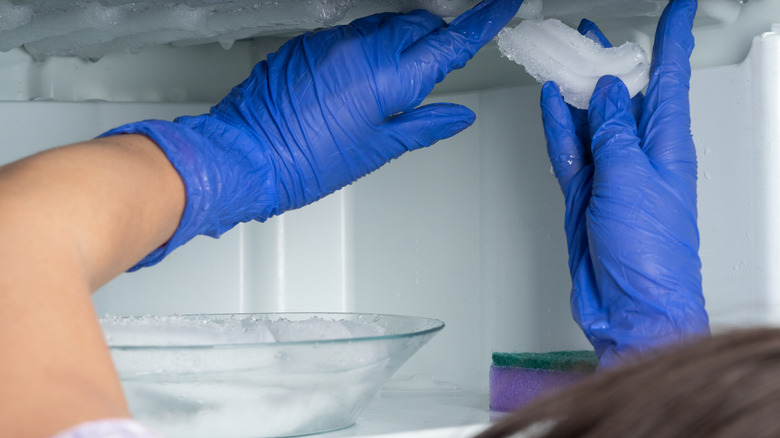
(518, 378)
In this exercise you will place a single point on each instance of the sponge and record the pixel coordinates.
(516, 379)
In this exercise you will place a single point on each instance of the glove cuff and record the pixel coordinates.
(185, 150)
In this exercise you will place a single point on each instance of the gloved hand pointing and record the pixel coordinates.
(628, 174)
(326, 109)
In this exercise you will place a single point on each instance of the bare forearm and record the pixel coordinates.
(113, 200)
(70, 220)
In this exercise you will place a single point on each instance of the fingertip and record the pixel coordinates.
(585, 25)
(675, 27)
(459, 114)
(612, 125)
(553, 105)
(610, 86)
(564, 147)
(428, 124)
(487, 11)
(610, 102)
(480, 24)
(451, 47)
(448, 127)
(470, 118)
(461, 117)
(593, 32)
(549, 92)
(550, 88)
(424, 14)
(670, 71)
(687, 9)
(608, 89)
(373, 20)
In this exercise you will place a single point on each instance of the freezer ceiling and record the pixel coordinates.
(92, 29)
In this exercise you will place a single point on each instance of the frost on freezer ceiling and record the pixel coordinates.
(92, 28)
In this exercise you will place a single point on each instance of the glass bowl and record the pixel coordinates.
(258, 375)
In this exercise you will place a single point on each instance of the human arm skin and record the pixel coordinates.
(326, 109)
(114, 199)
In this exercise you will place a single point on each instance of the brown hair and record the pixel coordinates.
(724, 386)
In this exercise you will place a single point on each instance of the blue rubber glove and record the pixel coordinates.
(628, 174)
(326, 109)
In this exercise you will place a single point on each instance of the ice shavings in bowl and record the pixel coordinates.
(201, 330)
(258, 375)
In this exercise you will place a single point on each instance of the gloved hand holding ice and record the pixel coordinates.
(552, 51)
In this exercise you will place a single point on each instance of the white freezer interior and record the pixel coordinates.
(469, 231)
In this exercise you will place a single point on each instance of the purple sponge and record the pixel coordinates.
(516, 379)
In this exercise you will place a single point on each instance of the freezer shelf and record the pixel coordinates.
(447, 432)
(424, 415)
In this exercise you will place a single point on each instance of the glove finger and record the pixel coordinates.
(576, 180)
(404, 30)
(430, 59)
(428, 124)
(637, 107)
(374, 21)
(665, 121)
(580, 117)
(590, 30)
(566, 151)
(615, 144)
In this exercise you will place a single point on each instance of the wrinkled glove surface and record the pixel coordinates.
(324, 110)
(628, 172)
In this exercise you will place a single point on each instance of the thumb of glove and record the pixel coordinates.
(428, 124)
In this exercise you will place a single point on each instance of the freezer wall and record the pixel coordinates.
(468, 231)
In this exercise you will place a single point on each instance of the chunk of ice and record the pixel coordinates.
(12, 16)
(552, 51)
(530, 10)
